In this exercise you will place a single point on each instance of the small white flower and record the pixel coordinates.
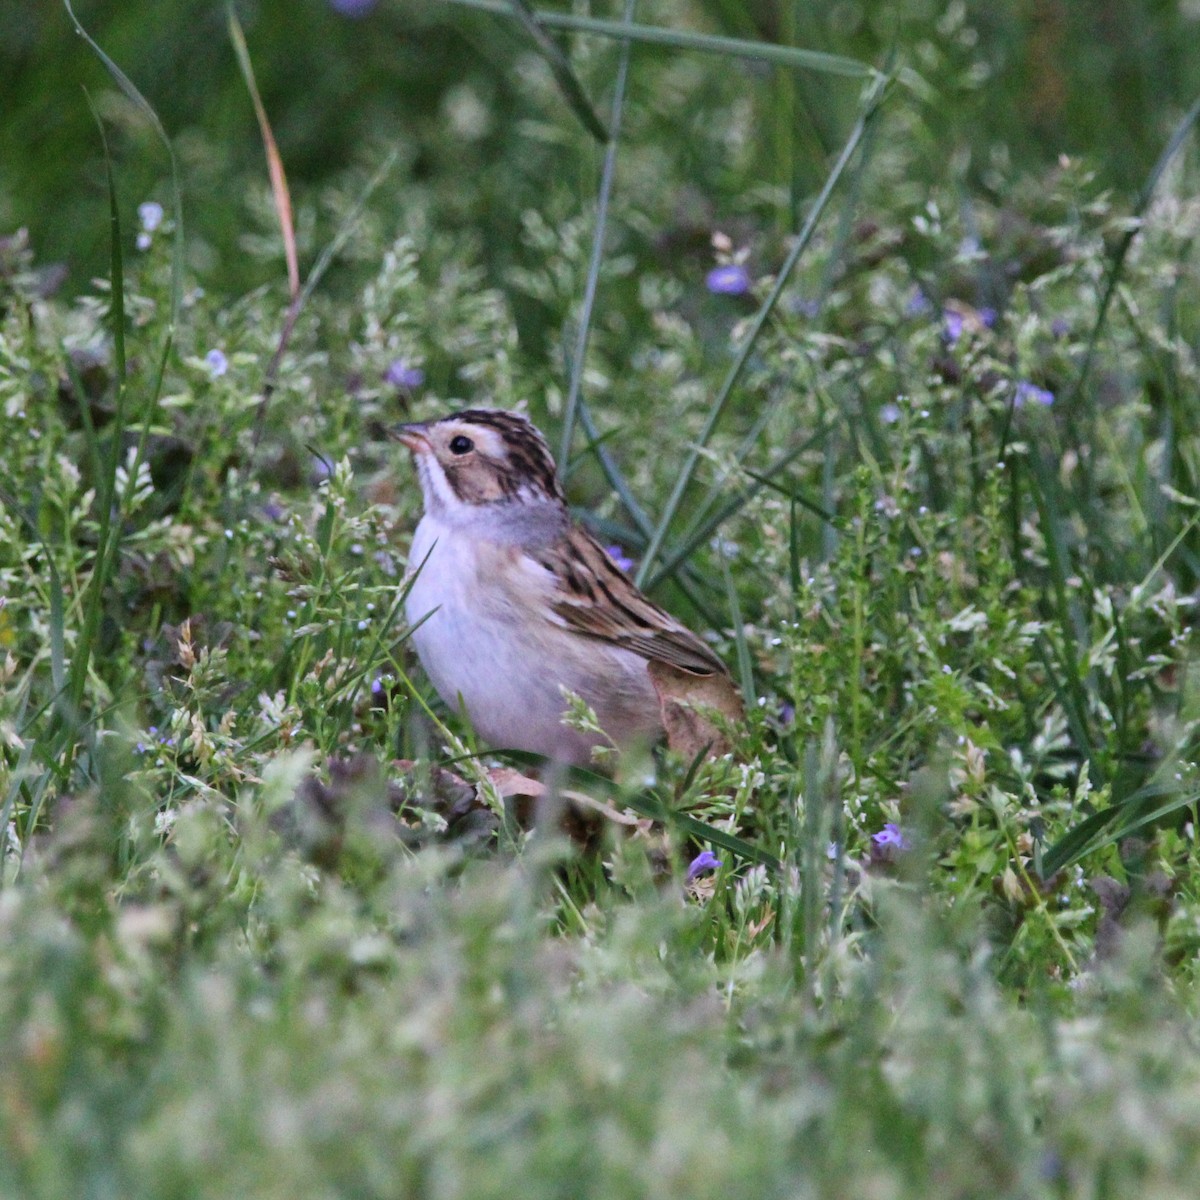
(150, 213)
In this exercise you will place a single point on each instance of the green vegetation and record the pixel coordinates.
(898, 404)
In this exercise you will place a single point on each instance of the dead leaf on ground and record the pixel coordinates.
(510, 782)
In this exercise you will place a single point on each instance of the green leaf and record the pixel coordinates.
(1111, 824)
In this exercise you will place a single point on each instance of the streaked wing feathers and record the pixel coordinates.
(597, 599)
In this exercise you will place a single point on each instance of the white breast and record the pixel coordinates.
(489, 637)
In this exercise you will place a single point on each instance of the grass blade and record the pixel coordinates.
(310, 285)
(745, 670)
(279, 185)
(869, 108)
(593, 275)
(612, 472)
(58, 657)
(1070, 686)
(638, 515)
(1119, 255)
(560, 68)
(698, 535)
(107, 483)
(1064, 680)
(1097, 831)
(142, 105)
(784, 56)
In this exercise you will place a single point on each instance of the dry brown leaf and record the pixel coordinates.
(643, 824)
(756, 927)
(510, 782)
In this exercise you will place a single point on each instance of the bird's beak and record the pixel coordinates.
(412, 436)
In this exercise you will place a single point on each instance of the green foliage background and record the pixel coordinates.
(267, 926)
(1016, 85)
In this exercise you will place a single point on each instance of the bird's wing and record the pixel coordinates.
(592, 596)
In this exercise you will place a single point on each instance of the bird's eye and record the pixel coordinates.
(461, 444)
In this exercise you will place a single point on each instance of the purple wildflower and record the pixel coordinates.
(730, 280)
(988, 317)
(706, 860)
(953, 326)
(787, 713)
(402, 374)
(889, 414)
(381, 692)
(1060, 327)
(622, 560)
(217, 363)
(918, 304)
(1051, 1167)
(890, 835)
(888, 843)
(352, 8)
(1030, 393)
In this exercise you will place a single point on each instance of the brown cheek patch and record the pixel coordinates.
(475, 482)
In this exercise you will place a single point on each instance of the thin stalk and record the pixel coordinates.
(607, 175)
(870, 107)
(1118, 260)
(697, 535)
(745, 670)
(840, 241)
(279, 185)
(143, 106)
(106, 485)
(560, 67)
(784, 56)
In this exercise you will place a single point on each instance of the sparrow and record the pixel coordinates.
(512, 604)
